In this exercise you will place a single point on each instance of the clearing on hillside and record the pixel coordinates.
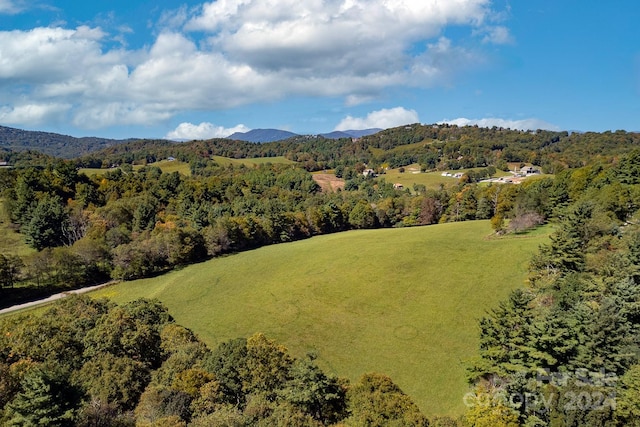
(328, 182)
(433, 180)
(405, 302)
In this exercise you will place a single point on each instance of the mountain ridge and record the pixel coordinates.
(262, 135)
(70, 147)
(54, 144)
(273, 135)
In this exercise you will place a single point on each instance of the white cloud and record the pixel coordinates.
(523, 124)
(10, 7)
(49, 54)
(496, 35)
(33, 114)
(252, 51)
(384, 119)
(205, 130)
(352, 37)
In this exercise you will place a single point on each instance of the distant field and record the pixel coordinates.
(165, 165)
(432, 180)
(178, 166)
(328, 181)
(252, 161)
(400, 301)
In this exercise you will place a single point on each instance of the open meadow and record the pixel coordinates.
(404, 302)
(166, 166)
(431, 180)
(11, 242)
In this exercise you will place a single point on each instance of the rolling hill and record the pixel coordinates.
(262, 135)
(273, 135)
(54, 144)
(400, 301)
(350, 133)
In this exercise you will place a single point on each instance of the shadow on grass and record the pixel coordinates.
(20, 295)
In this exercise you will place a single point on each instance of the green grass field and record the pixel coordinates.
(432, 180)
(11, 242)
(404, 302)
(165, 165)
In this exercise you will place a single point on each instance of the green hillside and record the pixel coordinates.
(400, 301)
(251, 161)
(432, 180)
(167, 166)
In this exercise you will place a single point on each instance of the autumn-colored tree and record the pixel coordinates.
(376, 400)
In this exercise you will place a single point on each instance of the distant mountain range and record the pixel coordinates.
(69, 147)
(262, 135)
(53, 144)
(271, 135)
(337, 134)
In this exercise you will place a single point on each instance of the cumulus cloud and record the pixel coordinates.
(45, 55)
(523, 124)
(229, 53)
(353, 37)
(205, 130)
(384, 119)
(33, 114)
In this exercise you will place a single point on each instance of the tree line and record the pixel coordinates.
(565, 350)
(87, 362)
(432, 146)
(132, 224)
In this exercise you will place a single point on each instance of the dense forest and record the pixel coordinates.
(563, 351)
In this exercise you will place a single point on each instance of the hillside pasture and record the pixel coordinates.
(405, 302)
(431, 180)
(412, 175)
(166, 166)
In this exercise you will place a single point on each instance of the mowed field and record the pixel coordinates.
(404, 302)
(166, 166)
(432, 180)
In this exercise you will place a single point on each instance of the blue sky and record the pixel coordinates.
(189, 69)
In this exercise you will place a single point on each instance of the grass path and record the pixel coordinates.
(400, 301)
